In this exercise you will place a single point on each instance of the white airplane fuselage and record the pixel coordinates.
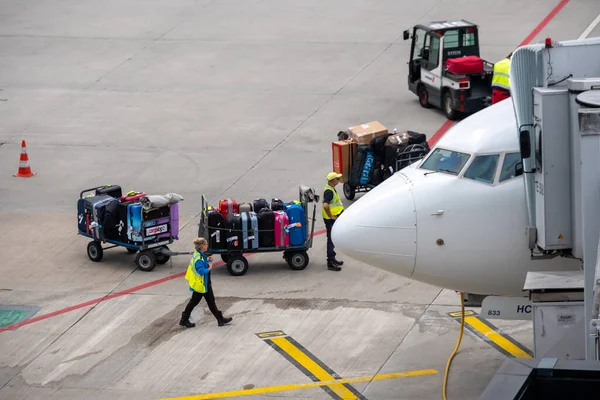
(452, 229)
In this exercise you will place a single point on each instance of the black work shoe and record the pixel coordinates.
(185, 321)
(336, 262)
(225, 320)
(333, 267)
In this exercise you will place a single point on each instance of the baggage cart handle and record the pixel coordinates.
(312, 229)
(84, 191)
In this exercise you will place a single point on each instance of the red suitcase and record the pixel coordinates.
(465, 65)
(228, 206)
(131, 197)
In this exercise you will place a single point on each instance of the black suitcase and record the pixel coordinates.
(259, 204)
(416, 138)
(123, 225)
(233, 231)
(277, 204)
(217, 238)
(110, 222)
(266, 228)
(111, 190)
(156, 213)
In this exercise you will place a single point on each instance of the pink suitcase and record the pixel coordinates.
(282, 237)
(175, 221)
(465, 65)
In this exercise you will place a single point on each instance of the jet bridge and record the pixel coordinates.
(556, 96)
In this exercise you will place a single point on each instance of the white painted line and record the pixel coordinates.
(590, 28)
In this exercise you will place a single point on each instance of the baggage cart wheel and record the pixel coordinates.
(349, 191)
(237, 265)
(95, 251)
(130, 250)
(145, 260)
(297, 260)
(224, 257)
(162, 258)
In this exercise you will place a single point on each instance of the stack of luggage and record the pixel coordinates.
(260, 224)
(111, 216)
(368, 154)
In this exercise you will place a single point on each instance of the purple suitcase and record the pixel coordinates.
(175, 221)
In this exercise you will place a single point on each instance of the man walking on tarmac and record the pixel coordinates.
(500, 82)
(332, 207)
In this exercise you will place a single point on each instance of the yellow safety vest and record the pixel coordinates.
(336, 207)
(501, 71)
(196, 280)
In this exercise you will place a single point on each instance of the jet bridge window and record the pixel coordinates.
(508, 166)
(483, 168)
(444, 160)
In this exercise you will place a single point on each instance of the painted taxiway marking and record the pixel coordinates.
(310, 365)
(492, 335)
(282, 388)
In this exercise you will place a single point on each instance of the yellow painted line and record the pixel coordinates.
(313, 367)
(495, 337)
(273, 389)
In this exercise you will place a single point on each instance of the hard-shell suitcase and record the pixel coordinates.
(174, 215)
(259, 204)
(277, 204)
(465, 65)
(123, 224)
(217, 238)
(134, 222)
(233, 230)
(228, 206)
(155, 213)
(297, 228)
(366, 172)
(245, 207)
(83, 220)
(132, 197)
(110, 221)
(249, 230)
(266, 230)
(282, 236)
(95, 207)
(111, 190)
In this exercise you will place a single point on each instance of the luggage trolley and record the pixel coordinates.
(296, 256)
(150, 251)
(417, 152)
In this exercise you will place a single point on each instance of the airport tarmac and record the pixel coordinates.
(223, 98)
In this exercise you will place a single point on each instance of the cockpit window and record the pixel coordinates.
(444, 160)
(508, 166)
(483, 168)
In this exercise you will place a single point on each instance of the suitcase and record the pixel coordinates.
(110, 221)
(259, 204)
(83, 220)
(132, 197)
(465, 65)
(95, 208)
(158, 228)
(416, 138)
(111, 190)
(134, 222)
(174, 220)
(297, 224)
(233, 231)
(228, 206)
(245, 207)
(277, 205)
(266, 224)
(366, 172)
(217, 238)
(282, 236)
(155, 213)
(123, 224)
(249, 230)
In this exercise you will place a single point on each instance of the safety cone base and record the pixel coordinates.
(29, 175)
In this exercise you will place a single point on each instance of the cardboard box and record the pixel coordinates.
(362, 134)
(343, 153)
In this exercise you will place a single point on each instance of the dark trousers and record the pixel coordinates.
(210, 300)
(330, 247)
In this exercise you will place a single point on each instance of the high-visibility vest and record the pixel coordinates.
(501, 74)
(336, 207)
(193, 277)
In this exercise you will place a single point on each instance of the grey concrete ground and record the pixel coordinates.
(223, 98)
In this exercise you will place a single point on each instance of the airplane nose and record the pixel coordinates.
(380, 229)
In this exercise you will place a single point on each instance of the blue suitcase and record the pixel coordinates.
(297, 224)
(250, 230)
(134, 222)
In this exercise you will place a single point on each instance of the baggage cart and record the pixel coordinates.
(296, 256)
(417, 153)
(149, 252)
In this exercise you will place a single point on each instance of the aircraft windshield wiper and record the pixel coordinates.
(441, 170)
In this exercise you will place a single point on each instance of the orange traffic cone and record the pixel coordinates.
(24, 169)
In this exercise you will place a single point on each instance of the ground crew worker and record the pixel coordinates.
(332, 207)
(500, 82)
(198, 275)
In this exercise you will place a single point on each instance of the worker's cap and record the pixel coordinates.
(333, 175)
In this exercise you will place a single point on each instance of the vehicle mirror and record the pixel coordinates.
(406, 35)
(525, 144)
(519, 169)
